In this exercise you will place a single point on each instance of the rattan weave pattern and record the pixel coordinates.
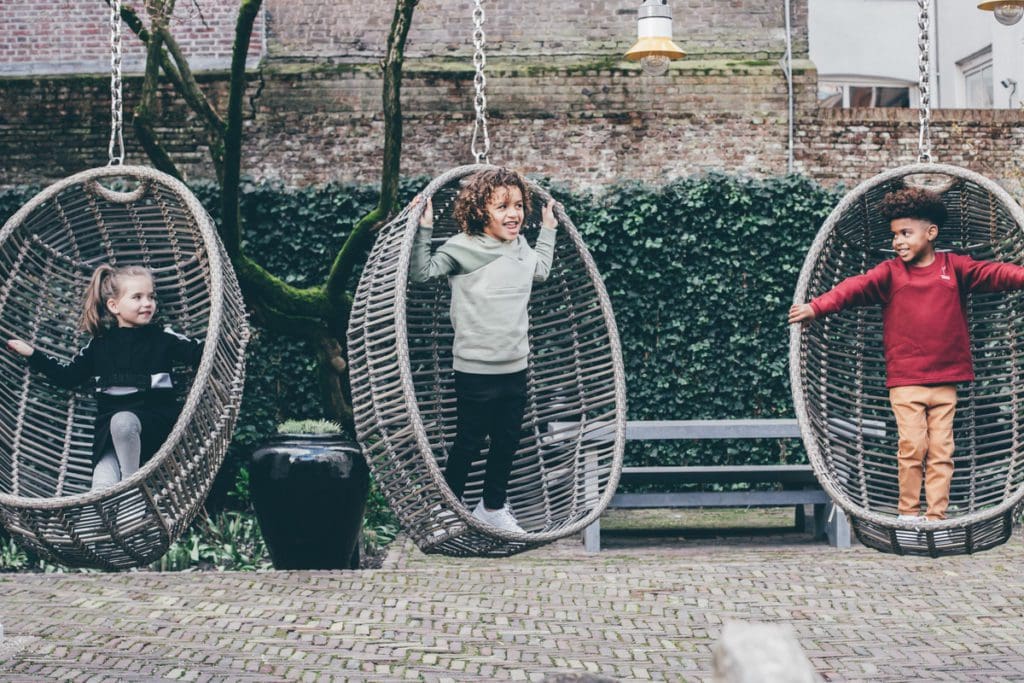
(48, 251)
(837, 371)
(400, 342)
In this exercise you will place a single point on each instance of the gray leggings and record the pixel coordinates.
(123, 460)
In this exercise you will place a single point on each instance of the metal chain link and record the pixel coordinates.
(480, 84)
(924, 140)
(116, 148)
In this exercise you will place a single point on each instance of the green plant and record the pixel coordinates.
(309, 427)
(380, 526)
(241, 493)
(226, 541)
(12, 558)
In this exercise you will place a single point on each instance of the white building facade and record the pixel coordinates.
(866, 52)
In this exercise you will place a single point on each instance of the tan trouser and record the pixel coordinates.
(924, 417)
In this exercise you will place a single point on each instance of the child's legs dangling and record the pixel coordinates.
(506, 422)
(123, 460)
(106, 472)
(472, 418)
(909, 407)
(939, 462)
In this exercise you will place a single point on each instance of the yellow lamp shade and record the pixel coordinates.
(656, 46)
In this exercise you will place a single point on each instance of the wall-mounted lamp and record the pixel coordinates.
(1011, 85)
(654, 47)
(1007, 12)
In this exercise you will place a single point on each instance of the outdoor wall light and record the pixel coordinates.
(654, 47)
(1007, 12)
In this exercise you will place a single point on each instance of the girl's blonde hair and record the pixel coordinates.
(105, 284)
(471, 205)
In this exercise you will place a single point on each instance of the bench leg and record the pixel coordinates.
(800, 518)
(838, 527)
(820, 521)
(592, 537)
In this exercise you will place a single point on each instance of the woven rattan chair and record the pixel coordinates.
(837, 370)
(48, 251)
(400, 340)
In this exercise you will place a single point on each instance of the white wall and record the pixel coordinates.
(878, 39)
(875, 38)
(964, 30)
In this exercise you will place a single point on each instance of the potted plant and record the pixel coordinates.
(309, 487)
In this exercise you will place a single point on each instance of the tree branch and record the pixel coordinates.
(361, 237)
(142, 118)
(231, 217)
(190, 89)
(263, 289)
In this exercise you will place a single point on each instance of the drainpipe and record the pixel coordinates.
(787, 68)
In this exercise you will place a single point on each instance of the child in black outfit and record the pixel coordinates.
(130, 362)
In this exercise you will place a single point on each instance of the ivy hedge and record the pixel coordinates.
(700, 271)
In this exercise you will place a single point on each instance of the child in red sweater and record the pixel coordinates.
(927, 347)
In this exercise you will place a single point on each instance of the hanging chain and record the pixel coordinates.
(480, 84)
(116, 148)
(924, 140)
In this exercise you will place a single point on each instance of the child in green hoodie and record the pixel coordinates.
(491, 270)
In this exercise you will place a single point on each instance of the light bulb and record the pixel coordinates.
(654, 65)
(1008, 13)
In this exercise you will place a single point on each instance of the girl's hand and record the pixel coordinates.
(547, 215)
(427, 217)
(19, 347)
(800, 312)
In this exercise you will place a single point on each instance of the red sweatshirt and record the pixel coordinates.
(924, 317)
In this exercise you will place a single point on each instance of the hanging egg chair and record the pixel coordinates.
(125, 215)
(837, 371)
(400, 344)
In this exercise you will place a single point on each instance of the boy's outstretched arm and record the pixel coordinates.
(545, 246)
(423, 266)
(799, 313)
(989, 276)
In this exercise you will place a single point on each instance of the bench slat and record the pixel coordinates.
(686, 430)
(724, 474)
(720, 499)
(712, 429)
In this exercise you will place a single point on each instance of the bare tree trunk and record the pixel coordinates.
(317, 313)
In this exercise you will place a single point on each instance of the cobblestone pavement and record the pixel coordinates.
(648, 612)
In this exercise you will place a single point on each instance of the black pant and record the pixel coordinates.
(486, 405)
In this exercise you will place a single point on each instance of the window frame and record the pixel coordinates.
(975, 64)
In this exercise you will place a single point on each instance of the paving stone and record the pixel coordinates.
(630, 613)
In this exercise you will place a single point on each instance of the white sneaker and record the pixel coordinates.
(501, 519)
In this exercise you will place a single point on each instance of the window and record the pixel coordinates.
(976, 79)
(844, 94)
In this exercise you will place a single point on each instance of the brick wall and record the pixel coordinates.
(584, 126)
(562, 103)
(837, 145)
(358, 30)
(73, 36)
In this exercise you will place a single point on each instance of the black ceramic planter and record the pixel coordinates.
(310, 491)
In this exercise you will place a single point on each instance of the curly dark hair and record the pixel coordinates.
(913, 202)
(471, 204)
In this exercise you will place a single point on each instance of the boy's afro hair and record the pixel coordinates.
(913, 202)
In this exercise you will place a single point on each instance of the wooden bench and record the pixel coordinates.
(799, 485)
